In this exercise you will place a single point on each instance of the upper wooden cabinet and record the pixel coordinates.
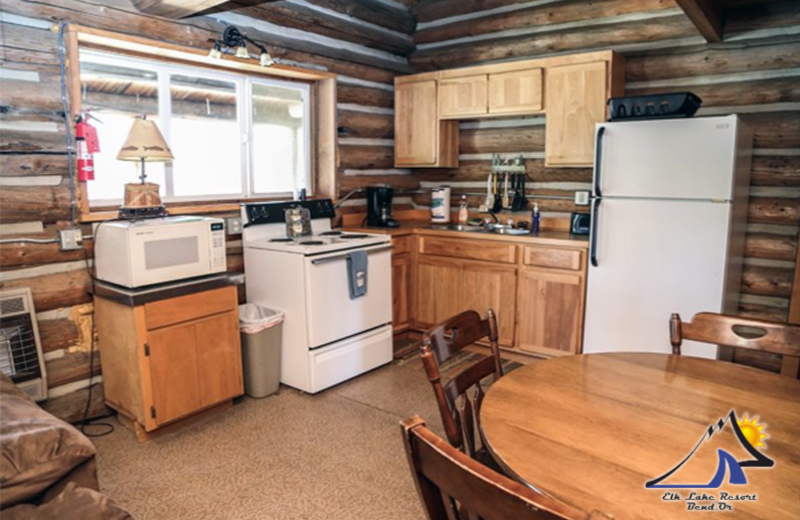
(576, 101)
(421, 139)
(571, 90)
(515, 92)
(463, 97)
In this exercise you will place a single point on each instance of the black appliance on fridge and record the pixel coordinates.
(379, 207)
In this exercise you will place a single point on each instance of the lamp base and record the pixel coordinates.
(142, 195)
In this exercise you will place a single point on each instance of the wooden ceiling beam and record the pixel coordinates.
(181, 8)
(706, 15)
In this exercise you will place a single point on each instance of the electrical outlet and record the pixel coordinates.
(70, 239)
(582, 198)
(233, 225)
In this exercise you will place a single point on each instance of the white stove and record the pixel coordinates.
(328, 336)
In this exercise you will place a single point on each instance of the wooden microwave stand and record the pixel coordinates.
(171, 355)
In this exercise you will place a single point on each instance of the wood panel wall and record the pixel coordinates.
(754, 72)
(364, 42)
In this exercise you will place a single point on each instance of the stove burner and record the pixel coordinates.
(353, 236)
(282, 240)
(331, 233)
(311, 243)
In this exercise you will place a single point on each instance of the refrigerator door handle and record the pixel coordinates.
(595, 228)
(598, 157)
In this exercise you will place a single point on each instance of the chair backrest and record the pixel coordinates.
(452, 486)
(735, 331)
(440, 344)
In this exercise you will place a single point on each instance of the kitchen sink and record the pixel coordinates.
(459, 227)
(509, 231)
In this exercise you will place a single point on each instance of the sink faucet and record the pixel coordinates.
(496, 220)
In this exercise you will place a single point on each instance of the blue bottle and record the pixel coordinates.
(536, 219)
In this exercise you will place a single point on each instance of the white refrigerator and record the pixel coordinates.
(668, 228)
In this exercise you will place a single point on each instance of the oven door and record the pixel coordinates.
(170, 252)
(332, 314)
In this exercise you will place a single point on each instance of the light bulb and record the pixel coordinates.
(241, 52)
(266, 60)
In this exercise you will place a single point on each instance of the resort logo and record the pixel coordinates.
(750, 435)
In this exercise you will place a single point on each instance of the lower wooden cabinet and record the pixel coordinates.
(167, 360)
(549, 311)
(536, 291)
(401, 288)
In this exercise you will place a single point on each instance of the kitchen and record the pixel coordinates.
(364, 65)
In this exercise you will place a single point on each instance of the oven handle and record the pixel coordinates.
(327, 259)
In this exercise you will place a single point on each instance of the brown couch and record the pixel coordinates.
(47, 467)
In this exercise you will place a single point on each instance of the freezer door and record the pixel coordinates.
(654, 258)
(678, 158)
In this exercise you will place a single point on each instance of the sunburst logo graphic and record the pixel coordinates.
(753, 431)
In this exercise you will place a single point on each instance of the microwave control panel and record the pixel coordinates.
(218, 260)
(273, 212)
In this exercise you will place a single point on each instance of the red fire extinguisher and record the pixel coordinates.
(87, 145)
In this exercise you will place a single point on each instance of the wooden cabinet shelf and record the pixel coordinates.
(167, 360)
(421, 139)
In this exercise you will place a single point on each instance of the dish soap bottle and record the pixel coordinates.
(463, 210)
(536, 219)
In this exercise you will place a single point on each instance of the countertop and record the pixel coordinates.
(134, 297)
(425, 227)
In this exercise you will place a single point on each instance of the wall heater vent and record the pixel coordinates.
(20, 348)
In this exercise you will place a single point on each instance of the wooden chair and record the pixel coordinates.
(451, 486)
(735, 331)
(459, 411)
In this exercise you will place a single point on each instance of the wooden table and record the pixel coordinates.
(591, 430)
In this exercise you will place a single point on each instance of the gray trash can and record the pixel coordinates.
(261, 331)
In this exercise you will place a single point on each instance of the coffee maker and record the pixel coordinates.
(379, 207)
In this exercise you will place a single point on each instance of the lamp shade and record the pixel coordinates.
(145, 142)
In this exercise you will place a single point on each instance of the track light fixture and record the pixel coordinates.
(233, 38)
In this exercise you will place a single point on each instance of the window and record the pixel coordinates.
(233, 136)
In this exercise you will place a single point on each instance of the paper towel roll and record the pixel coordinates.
(440, 205)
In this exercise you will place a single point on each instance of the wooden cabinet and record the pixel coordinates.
(515, 92)
(463, 97)
(576, 101)
(401, 286)
(167, 360)
(537, 291)
(490, 286)
(571, 90)
(439, 290)
(421, 139)
(549, 311)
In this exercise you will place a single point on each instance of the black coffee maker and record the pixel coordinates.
(379, 207)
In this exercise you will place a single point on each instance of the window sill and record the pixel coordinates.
(108, 213)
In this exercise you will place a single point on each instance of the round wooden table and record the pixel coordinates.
(591, 430)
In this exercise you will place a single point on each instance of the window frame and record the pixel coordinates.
(243, 85)
(322, 106)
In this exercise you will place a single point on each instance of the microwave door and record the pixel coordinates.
(172, 253)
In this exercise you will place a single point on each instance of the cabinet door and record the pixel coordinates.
(576, 101)
(550, 309)
(415, 123)
(219, 358)
(518, 92)
(173, 372)
(439, 290)
(401, 280)
(461, 97)
(492, 286)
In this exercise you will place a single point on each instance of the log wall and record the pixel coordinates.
(364, 42)
(754, 72)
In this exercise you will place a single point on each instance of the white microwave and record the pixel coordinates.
(136, 253)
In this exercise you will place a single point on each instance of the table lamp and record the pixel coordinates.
(144, 144)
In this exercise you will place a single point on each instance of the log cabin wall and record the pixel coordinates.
(364, 42)
(754, 72)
